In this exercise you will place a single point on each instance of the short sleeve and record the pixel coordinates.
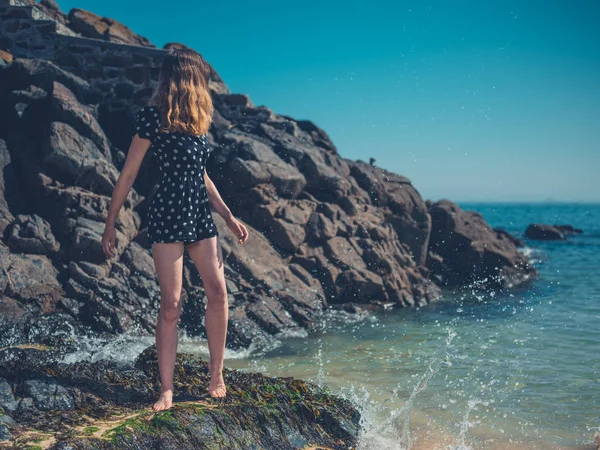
(146, 123)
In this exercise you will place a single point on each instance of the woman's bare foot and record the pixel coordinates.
(217, 383)
(165, 401)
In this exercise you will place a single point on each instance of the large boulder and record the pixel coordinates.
(542, 232)
(466, 251)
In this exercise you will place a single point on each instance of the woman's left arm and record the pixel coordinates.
(217, 203)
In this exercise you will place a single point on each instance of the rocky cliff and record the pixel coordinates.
(325, 231)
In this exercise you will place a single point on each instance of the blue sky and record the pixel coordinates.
(472, 100)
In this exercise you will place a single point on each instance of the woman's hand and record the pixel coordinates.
(238, 229)
(108, 240)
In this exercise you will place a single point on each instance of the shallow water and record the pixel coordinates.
(472, 371)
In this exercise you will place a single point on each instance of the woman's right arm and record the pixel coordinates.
(137, 150)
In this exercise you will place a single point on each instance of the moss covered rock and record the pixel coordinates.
(112, 407)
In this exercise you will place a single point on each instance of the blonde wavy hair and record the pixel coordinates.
(182, 96)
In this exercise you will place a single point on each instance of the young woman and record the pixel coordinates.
(174, 125)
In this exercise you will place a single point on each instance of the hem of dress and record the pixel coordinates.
(185, 241)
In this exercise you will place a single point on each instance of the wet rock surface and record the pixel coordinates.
(325, 231)
(103, 405)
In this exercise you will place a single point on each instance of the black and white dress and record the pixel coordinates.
(179, 212)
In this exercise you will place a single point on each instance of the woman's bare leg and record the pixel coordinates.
(208, 259)
(168, 261)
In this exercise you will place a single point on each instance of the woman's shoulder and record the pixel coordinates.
(147, 122)
(147, 111)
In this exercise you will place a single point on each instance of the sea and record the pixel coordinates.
(517, 370)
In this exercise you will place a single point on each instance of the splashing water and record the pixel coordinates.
(465, 425)
(393, 433)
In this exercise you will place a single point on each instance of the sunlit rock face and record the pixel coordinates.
(325, 231)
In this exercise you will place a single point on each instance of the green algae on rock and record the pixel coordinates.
(105, 405)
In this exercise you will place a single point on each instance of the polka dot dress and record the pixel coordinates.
(179, 212)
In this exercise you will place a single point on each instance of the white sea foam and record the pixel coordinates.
(123, 348)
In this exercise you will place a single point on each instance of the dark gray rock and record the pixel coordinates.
(269, 314)
(326, 173)
(7, 398)
(80, 215)
(260, 265)
(26, 404)
(543, 232)
(139, 260)
(86, 244)
(568, 229)
(7, 420)
(47, 395)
